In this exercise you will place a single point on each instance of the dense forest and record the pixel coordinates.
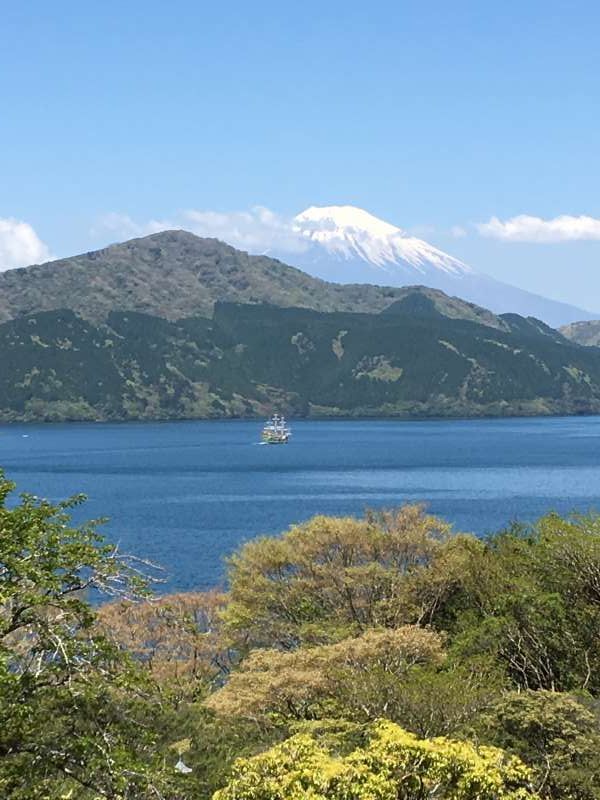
(424, 355)
(381, 658)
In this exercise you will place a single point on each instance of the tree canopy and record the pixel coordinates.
(392, 765)
(357, 675)
(375, 658)
(329, 577)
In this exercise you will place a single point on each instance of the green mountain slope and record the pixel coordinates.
(250, 359)
(175, 274)
(585, 333)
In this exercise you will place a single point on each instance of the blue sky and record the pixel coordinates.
(437, 116)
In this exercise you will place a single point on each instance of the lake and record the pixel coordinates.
(186, 494)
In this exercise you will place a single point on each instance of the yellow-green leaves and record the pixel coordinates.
(329, 577)
(394, 765)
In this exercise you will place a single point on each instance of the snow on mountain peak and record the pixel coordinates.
(349, 233)
(343, 217)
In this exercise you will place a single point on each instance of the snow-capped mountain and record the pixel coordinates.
(348, 232)
(346, 244)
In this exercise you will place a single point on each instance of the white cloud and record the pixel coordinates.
(257, 230)
(123, 225)
(525, 228)
(20, 245)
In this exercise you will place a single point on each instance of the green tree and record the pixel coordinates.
(329, 578)
(529, 599)
(72, 708)
(557, 735)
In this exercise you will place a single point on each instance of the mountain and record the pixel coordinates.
(174, 274)
(585, 333)
(353, 235)
(174, 326)
(349, 245)
(416, 358)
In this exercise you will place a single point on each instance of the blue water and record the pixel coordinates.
(185, 494)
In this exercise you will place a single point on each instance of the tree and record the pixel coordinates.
(328, 578)
(393, 765)
(72, 707)
(567, 561)
(175, 637)
(529, 599)
(442, 700)
(557, 735)
(401, 674)
(355, 678)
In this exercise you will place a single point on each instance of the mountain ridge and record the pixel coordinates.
(176, 274)
(586, 332)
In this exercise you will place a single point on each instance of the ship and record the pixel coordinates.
(276, 431)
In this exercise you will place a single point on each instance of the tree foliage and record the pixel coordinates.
(176, 638)
(368, 659)
(528, 598)
(554, 733)
(71, 706)
(328, 578)
(393, 765)
(358, 676)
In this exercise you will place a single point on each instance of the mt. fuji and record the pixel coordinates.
(350, 233)
(346, 244)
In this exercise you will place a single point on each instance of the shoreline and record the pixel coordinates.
(296, 419)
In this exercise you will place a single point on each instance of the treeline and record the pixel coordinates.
(385, 658)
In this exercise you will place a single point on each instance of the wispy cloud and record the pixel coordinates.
(525, 228)
(257, 230)
(20, 245)
(123, 225)
(421, 231)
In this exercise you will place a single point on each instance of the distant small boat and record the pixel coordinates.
(276, 431)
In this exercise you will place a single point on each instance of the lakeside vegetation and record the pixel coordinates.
(380, 658)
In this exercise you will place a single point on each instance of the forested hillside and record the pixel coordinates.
(172, 326)
(174, 274)
(419, 357)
